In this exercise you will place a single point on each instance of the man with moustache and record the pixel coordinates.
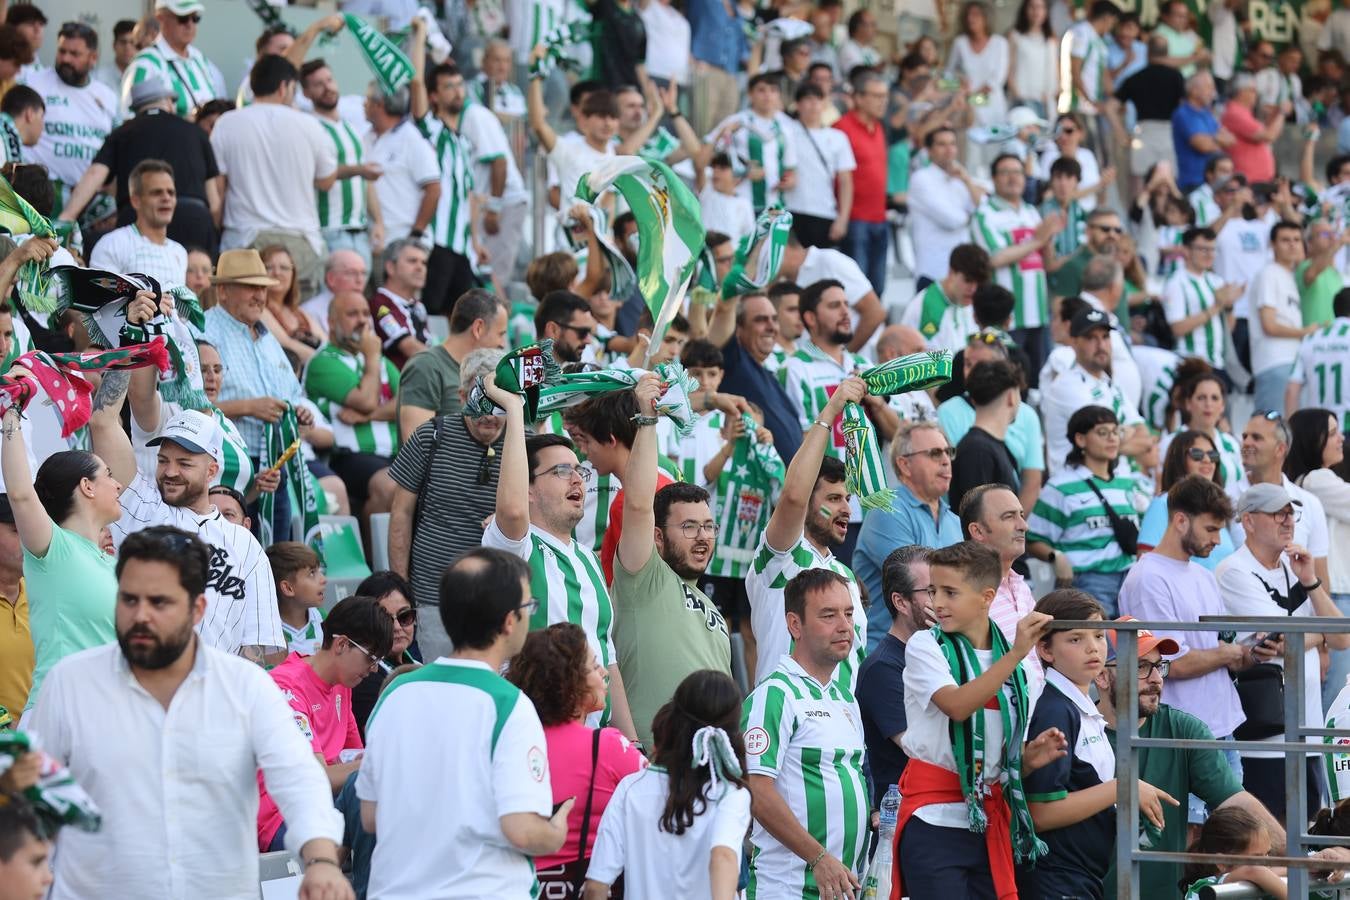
(665, 627)
(1103, 233)
(241, 612)
(205, 723)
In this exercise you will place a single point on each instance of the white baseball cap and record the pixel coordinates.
(1022, 116)
(195, 432)
(181, 7)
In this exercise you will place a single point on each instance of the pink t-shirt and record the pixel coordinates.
(1252, 158)
(569, 764)
(323, 713)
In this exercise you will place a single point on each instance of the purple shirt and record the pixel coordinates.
(1161, 589)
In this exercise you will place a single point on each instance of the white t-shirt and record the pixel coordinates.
(409, 165)
(125, 250)
(814, 194)
(940, 208)
(668, 54)
(574, 159)
(1070, 392)
(1092, 173)
(78, 120)
(822, 263)
(453, 728)
(730, 214)
(271, 155)
(656, 863)
(484, 131)
(1241, 250)
(927, 735)
(1275, 288)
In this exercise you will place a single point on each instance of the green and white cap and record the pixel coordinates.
(181, 7)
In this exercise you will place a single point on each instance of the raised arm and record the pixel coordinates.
(637, 543)
(513, 481)
(417, 55)
(538, 113)
(789, 518)
(107, 436)
(30, 517)
(331, 24)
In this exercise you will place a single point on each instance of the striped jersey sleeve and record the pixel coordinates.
(768, 722)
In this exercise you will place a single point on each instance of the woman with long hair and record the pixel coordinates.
(1201, 402)
(561, 675)
(60, 516)
(295, 329)
(676, 828)
(1033, 59)
(981, 58)
(1317, 463)
(1190, 453)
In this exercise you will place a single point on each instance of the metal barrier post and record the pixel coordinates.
(1127, 762)
(1295, 764)
(539, 200)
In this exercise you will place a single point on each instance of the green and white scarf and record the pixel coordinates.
(393, 70)
(278, 437)
(915, 372)
(754, 142)
(17, 216)
(972, 754)
(864, 466)
(523, 371)
(559, 44)
(622, 279)
(763, 456)
(576, 387)
(766, 243)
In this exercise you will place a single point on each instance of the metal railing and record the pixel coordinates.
(1128, 743)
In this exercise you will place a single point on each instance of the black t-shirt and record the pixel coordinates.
(981, 458)
(881, 698)
(743, 376)
(620, 43)
(159, 135)
(1156, 92)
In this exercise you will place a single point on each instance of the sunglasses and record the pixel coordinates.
(579, 330)
(1109, 229)
(936, 454)
(406, 617)
(1270, 415)
(1199, 455)
(193, 18)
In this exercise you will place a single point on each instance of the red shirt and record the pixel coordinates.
(1252, 158)
(610, 545)
(869, 179)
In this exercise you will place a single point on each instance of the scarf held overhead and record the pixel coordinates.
(60, 376)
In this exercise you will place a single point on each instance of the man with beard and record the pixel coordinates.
(431, 380)
(208, 721)
(1179, 771)
(808, 265)
(349, 211)
(541, 491)
(241, 612)
(566, 319)
(1166, 585)
(811, 519)
(80, 111)
(665, 627)
(1103, 233)
(145, 247)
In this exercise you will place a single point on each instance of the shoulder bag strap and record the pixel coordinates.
(816, 147)
(1117, 522)
(436, 426)
(586, 817)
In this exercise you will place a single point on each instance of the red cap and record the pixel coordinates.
(1147, 641)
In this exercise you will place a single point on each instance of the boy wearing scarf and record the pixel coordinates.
(963, 815)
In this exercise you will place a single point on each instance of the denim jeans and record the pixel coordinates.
(342, 239)
(1340, 660)
(1104, 586)
(868, 243)
(1268, 388)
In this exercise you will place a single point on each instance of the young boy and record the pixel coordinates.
(300, 585)
(25, 869)
(722, 205)
(672, 344)
(1065, 175)
(1072, 799)
(963, 819)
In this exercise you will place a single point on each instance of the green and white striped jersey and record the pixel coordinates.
(776, 360)
(1185, 294)
(998, 225)
(770, 571)
(451, 226)
(190, 78)
(344, 204)
(600, 493)
(1086, 44)
(660, 145)
(808, 738)
(1067, 242)
(330, 375)
(305, 640)
(1206, 209)
(1230, 460)
(1322, 367)
(1069, 517)
(943, 324)
(810, 376)
(1338, 764)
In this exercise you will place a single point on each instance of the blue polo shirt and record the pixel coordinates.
(1186, 122)
(911, 521)
(742, 376)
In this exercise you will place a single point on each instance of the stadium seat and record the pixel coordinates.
(379, 541)
(343, 556)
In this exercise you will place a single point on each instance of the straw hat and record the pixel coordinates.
(242, 267)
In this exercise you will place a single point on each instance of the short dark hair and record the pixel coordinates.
(558, 307)
(1072, 306)
(33, 183)
(990, 380)
(360, 618)
(1212, 164)
(269, 73)
(895, 573)
(769, 78)
(383, 583)
(714, 238)
(701, 354)
(288, 557)
(1067, 165)
(831, 471)
(143, 168)
(979, 565)
(268, 33)
(24, 14)
(972, 503)
(1196, 495)
(1334, 166)
(931, 137)
(447, 69)
(1193, 234)
(1068, 605)
(182, 550)
(808, 89)
(14, 46)
(472, 305)
(993, 166)
(477, 592)
(18, 822)
(605, 417)
(812, 293)
(1103, 8)
(971, 261)
(311, 66)
(539, 443)
(778, 290)
(805, 582)
(679, 492)
(1081, 422)
(992, 305)
(19, 99)
(600, 103)
(583, 88)
(123, 26)
(1284, 225)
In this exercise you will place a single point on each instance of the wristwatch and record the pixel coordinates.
(1312, 587)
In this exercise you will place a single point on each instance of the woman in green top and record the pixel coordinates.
(59, 516)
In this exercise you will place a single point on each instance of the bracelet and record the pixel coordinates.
(811, 866)
(1312, 587)
(642, 421)
(322, 859)
(675, 113)
(821, 424)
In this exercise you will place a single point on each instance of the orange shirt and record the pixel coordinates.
(16, 653)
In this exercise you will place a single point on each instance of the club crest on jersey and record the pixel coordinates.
(302, 722)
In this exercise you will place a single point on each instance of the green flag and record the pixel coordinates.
(670, 230)
(283, 448)
(558, 45)
(17, 216)
(393, 70)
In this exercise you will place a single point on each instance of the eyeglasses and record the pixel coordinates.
(930, 592)
(936, 454)
(1286, 516)
(1199, 455)
(564, 471)
(1106, 432)
(406, 617)
(1147, 668)
(692, 530)
(192, 18)
(580, 331)
(529, 607)
(375, 661)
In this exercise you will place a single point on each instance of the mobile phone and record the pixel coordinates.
(557, 806)
(1273, 638)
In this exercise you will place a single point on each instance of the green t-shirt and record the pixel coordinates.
(72, 594)
(1067, 281)
(430, 380)
(1205, 773)
(1315, 299)
(332, 374)
(665, 628)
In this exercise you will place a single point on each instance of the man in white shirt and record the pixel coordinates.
(1278, 325)
(1103, 286)
(80, 111)
(822, 198)
(167, 735)
(942, 199)
(343, 271)
(456, 728)
(1265, 444)
(272, 159)
(409, 187)
(760, 137)
(145, 247)
(173, 58)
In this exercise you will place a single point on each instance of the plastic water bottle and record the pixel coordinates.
(878, 881)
